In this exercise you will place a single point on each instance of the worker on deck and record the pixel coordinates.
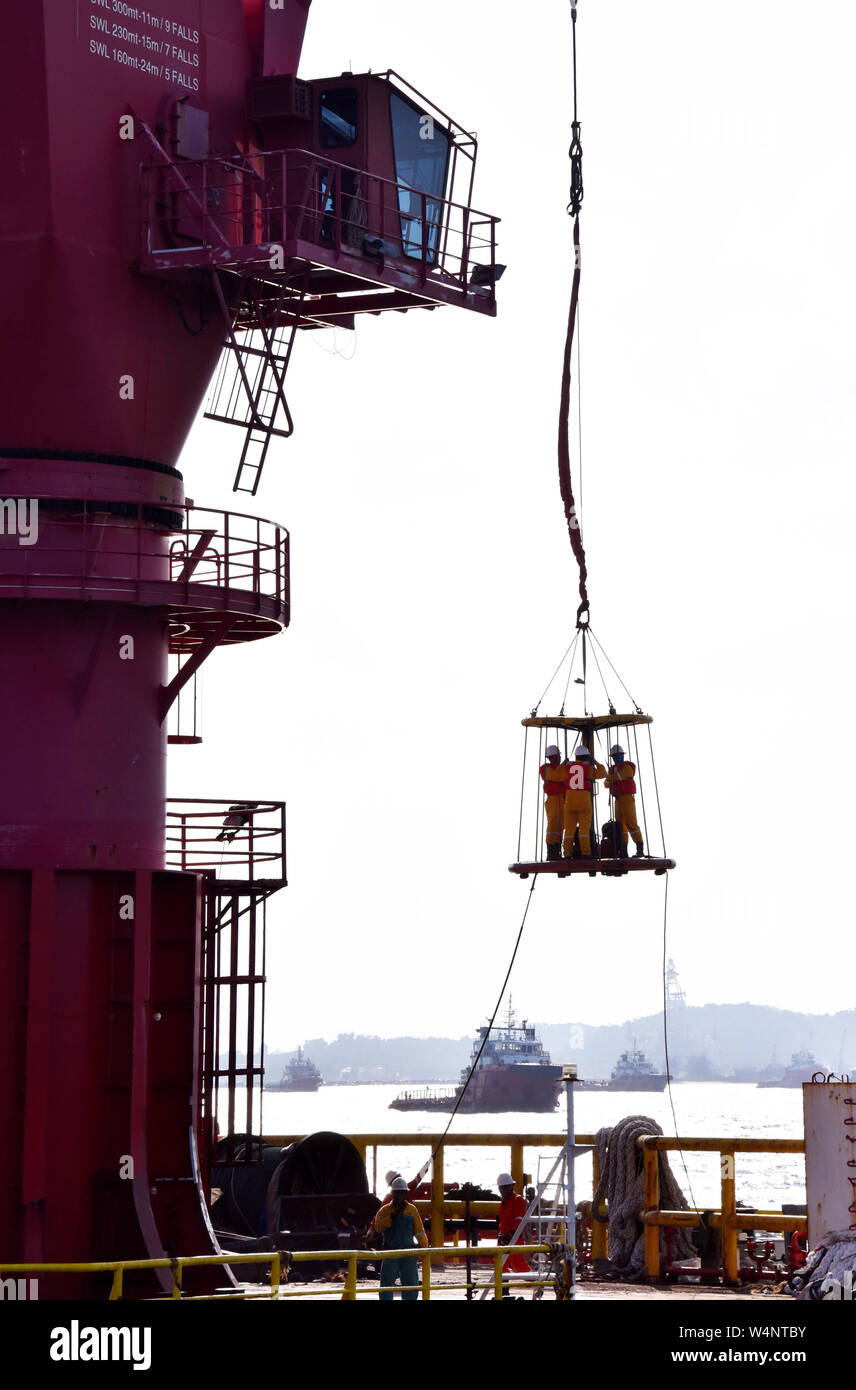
(583, 772)
(512, 1209)
(621, 782)
(400, 1226)
(555, 777)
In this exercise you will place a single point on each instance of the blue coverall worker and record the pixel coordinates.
(582, 774)
(621, 782)
(400, 1225)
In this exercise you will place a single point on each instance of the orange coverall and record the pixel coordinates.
(578, 804)
(555, 786)
(511, 1213)
(620, 781)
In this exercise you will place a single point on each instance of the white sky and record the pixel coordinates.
(433, 585)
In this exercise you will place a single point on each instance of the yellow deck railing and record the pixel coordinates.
(277, 1259)
(725, 1218)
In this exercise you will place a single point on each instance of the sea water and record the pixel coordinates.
(718, 1110)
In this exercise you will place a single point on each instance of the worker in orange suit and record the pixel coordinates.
(555, 777)
(621, 781)
(512, 1209)
(583, 772)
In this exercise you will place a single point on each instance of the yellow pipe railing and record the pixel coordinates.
(428, 1256)
(728, 1220)
(441, 1206)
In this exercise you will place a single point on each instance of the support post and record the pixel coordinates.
(497, 1273)
(426, 1277)
(349, 1292)
(651, 1171)
(730, 1252)
(599, 1229)
(437, 1222)
(517, 1163)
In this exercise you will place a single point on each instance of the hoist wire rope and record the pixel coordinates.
(580, 413)
(570, 672)
(605, 654)
(522, 790)
(641, 792)
(540, 809)
(603, 682)
(488, 1030)
(657, 791)
(564, 444)
(666, 1049)
(572, 643)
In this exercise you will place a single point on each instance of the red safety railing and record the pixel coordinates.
(224, 213)
(235, 839)
(182, 557)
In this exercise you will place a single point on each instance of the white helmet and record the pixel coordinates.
(552, 750)
(581, 751)
(616, 751)
(398, 1185)
(505, 1180)
(393, 1173)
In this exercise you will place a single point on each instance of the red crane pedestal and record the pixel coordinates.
(148, 160)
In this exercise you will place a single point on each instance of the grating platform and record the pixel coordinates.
(610, 868)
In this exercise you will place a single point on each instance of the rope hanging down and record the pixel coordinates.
(424, 1169)
(565, 484)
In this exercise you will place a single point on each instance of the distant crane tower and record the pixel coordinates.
(675, 996)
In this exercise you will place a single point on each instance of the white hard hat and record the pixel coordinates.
(581, 751)
(617, 749)
(393, 1173)
(505, 1180)
(551, 750)
(398, 1185)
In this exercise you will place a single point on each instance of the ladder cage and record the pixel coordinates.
(233, 1021)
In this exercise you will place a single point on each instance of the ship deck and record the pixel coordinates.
(587, 1291)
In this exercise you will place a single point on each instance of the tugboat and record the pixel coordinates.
(298, 1074)
(803, 1067)
(632, 1072)
(514, 1073)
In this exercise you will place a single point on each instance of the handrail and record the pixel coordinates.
(174, 554)
(198, 837)
(279, 1258)
(443, 1204)
(303, 196)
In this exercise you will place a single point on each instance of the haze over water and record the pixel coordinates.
(703, 1109)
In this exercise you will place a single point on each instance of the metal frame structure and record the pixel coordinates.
(588, 727)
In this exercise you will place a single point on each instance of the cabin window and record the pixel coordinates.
(421, 151)
(338, 118)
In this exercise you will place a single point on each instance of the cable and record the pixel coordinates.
(638, 708)
(572, 643)
(570, 673)
(477, 1058)
(666, 1049)
(580, 412)
(522, 790)
(657, 792)
(603, 683)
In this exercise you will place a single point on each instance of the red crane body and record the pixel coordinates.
(150, 161)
